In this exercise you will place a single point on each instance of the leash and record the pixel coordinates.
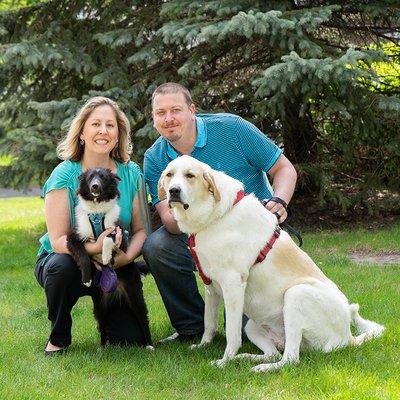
(260, 257)
(286, 226)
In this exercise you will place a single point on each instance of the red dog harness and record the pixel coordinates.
(261, 256)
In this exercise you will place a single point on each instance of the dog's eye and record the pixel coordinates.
(189, 175)
(169, 175)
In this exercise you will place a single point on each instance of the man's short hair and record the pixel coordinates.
(172, 87)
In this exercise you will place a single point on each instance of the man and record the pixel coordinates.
(226, 142)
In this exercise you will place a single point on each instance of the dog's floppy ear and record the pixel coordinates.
(162, 194)
(212, 187)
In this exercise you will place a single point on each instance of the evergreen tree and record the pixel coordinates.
(305, 72)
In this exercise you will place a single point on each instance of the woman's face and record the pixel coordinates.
(100, 131)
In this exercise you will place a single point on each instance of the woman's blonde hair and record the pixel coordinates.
(71, 149)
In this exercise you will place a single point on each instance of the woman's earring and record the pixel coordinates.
(82, 142)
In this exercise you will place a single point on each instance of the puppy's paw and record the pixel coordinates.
(150, 348)
(87, 283)
(218, 363)
(105, 259)
(106, 254)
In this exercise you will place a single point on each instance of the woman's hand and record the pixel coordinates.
(118, 238)
(120, 259)
(96, 247)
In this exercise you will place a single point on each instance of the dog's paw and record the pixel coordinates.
(87, 283)
(197, 346)
(218, 363)
(247, 356)
(105, 260)
(266, 367)
(106, 255)
(150, 348)
(257, 357)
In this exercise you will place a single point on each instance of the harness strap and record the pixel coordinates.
(192, 247)
(267, 248)
(240, 195)
(97, 222)
(261, 256)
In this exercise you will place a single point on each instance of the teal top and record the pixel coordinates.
(65, 176)
(227, 143)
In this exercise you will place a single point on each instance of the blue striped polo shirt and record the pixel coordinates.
(225, 142)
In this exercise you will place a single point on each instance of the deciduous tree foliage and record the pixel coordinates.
(305, 72)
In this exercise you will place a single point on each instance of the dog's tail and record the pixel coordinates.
(366, 329)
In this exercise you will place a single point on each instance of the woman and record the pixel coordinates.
(98, 137)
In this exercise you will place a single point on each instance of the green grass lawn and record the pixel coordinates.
(173, 371)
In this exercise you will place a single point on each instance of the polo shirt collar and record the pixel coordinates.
(200, 141)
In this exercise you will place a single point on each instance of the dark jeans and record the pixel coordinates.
(61, 279)
(172, 266)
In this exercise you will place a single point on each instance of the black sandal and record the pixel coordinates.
(49, 353)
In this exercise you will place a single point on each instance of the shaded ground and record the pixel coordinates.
(20, 193)
(367, 257)
(381, 210)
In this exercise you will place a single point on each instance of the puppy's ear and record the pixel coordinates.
(162, 194)
(212, 187)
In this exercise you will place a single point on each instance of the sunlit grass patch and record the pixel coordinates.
(173, 371)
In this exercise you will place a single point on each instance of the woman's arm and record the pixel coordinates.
(56, 210)
(138, 237)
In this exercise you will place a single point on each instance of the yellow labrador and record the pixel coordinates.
(290, 302)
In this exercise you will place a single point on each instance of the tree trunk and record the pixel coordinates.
(300, 141)
(299, 135)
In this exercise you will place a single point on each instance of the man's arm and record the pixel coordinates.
(167, 218)
(284, 178)
(152, 174)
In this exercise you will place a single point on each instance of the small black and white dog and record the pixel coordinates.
(96, 211)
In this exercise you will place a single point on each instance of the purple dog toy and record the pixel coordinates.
(106, 279)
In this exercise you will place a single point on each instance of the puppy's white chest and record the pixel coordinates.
(83, 225)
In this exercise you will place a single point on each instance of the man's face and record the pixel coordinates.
(173, 117)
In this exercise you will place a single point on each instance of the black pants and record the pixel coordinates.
(61, 279)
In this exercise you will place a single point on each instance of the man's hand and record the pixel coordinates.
(276, 208)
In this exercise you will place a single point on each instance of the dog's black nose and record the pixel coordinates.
(95, 186)
(174, 191)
